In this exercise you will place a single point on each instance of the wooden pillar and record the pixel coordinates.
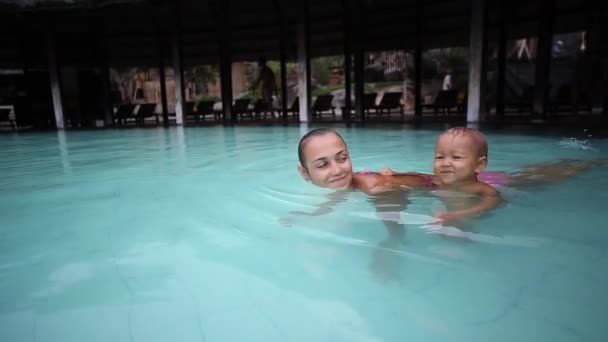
(593, 79)
(54, 78)
(284, 105)
(223, 33)
(543, 58)
(304, 73)
(483, 103)
(502, 60)
(603, 54)
(163, 91)
(24, 39)
(348, 88)
(359, 63)
(476, 62)
(98, 32)
(160, 43)
(108, 108)
(346, 27)
(418, 61)
(418, 82)
(359, 83)
(178, 67)
(283, 60)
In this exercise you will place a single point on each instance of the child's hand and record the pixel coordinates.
(387, 172)
(300, 213)
(446, 217)
(285, 221)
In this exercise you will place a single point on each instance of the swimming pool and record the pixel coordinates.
(177, 235)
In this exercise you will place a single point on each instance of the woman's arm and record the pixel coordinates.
(324, 207)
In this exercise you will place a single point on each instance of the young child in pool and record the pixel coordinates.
(461, 156)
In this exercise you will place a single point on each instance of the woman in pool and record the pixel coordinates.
(325, 161)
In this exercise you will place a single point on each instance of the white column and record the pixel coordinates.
(543, 59)
(476, 75)
(224, 30)
(54, 82)
(178, 77)
(304, 63)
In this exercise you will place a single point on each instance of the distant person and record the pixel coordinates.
(116, 94)
(447, 81)
(138, 87)
(266, 81)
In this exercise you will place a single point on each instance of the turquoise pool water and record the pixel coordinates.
(180, 235)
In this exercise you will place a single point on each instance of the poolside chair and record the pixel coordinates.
(206, 108)
(240, 108)
(389, 102)
(295, 107)
(445, 102)
(521, 103)
(124, 113)
(5, 116)
(146, 110)
(261, 107)
(323, 104)
(566, 100)
(369, 102)
(189, 110)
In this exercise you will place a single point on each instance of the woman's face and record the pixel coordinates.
(327, 162)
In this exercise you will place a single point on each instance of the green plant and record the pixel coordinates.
(450, 58)
(321, 67)
(327, 90)
(201, 75)
(123, 77)
(206, 98)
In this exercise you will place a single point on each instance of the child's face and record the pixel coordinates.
(327, 162)
(457, 160)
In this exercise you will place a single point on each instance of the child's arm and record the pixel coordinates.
(388, 172)
(375, 183)
(490, 199)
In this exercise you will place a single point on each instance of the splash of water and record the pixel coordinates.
(579, 144)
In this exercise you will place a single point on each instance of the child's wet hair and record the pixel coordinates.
(480, 140)
(314, 133)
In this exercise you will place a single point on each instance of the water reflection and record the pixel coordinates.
(63, 152)
(385, 261)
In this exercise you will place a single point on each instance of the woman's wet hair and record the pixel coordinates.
(314, 133)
